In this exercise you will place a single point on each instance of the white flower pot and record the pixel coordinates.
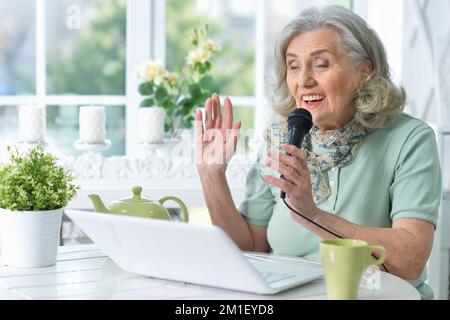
(151, 124)
(30, 238)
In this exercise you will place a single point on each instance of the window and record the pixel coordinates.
(63, 54)
(86, 57)
(17, 48)
(232, 25)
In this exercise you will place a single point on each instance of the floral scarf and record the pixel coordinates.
(340, 146)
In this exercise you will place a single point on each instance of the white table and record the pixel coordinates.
(85, 272)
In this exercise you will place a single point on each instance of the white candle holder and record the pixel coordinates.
(154, 146)
(92, 125)
(162, 148)
(92, 147)
(32, 124)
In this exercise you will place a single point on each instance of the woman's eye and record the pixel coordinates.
(322, 64)
(293, 66)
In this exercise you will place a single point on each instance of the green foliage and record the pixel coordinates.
(34, 182)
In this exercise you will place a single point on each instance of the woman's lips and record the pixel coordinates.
(313, 104)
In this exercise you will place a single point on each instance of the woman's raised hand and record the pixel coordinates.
(216, 141)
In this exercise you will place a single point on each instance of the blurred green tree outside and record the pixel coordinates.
(94, 62)
(89, 61)
(345, 3)
(233, 67)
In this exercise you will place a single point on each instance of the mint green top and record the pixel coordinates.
(396, 174)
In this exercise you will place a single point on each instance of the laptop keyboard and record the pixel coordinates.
(272, 277)
(269, 274)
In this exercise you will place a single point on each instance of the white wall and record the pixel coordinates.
(426, 59)
(386, 18)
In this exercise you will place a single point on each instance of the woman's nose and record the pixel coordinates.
(306, 79)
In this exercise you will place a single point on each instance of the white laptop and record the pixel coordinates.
(202, 255)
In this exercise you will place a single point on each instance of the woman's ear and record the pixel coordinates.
(366, 69)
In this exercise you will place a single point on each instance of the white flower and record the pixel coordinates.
(150, 71)
(211, 46)
(199, 55)
(172, 78)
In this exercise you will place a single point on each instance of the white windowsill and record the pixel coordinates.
(158, 175)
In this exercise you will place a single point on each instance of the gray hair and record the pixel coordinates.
(378, 99)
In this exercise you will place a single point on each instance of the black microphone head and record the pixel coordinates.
(300, 118)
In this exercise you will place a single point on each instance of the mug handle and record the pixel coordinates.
(372, 260)
(180, 203)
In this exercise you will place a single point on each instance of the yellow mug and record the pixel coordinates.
(343, 262)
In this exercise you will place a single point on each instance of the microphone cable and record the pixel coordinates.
(322, 227)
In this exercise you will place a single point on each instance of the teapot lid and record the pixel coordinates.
(136, 196)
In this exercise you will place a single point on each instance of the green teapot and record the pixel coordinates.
(139, 206)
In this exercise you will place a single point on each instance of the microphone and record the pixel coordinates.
(299, 124)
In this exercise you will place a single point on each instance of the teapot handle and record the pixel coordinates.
(180, 203)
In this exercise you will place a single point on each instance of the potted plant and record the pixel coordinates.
(33, 192)
(177, 95)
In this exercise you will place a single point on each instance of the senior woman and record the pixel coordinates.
(366, 171)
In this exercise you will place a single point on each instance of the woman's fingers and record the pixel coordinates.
(297, 154)
(227, 121)
(199, 123)
(237, 128)
(209, 123)
(199, 131)
(233, 138)
(283, 184)
(219, 130)
(290, 161)
(288, 172)
(214, 114)
(217, 116)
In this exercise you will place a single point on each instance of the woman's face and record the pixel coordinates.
(321, 77)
